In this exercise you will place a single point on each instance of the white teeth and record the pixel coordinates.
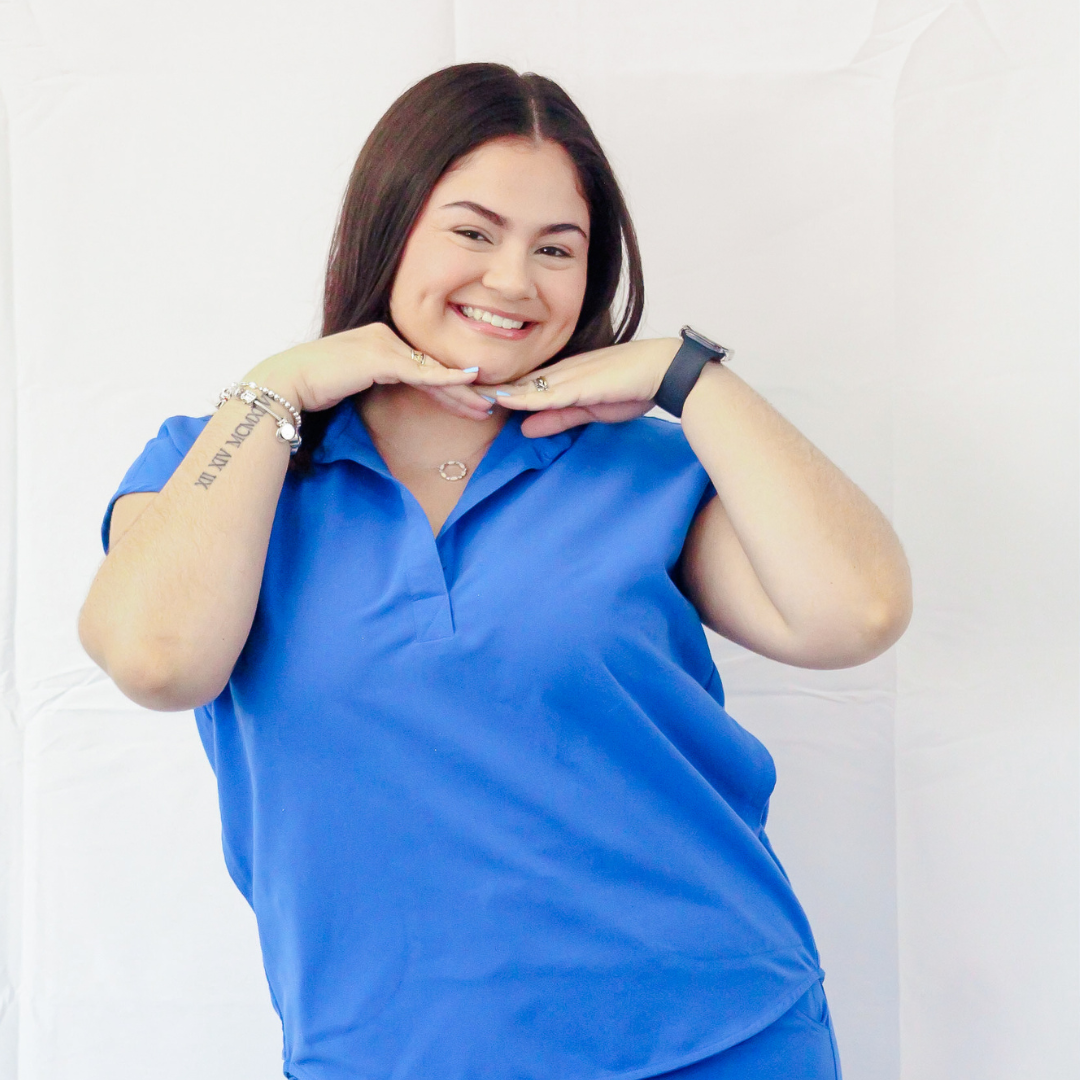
(480, 315)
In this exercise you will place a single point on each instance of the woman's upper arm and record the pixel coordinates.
(722, 585)
(721, 582)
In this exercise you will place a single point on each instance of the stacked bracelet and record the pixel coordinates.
(249, 392)
(276, 397)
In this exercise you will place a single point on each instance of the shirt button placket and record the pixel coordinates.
(427, 583)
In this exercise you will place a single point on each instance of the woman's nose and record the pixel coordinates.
(508, 274)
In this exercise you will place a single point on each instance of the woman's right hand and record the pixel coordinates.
(172, 605)
(318, 374)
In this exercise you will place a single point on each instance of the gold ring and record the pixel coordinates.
(541, 383)
(419, 357)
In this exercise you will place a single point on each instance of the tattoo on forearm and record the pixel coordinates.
(223, 456)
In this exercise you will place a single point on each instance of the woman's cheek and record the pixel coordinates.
(574, 294)
(571, 310)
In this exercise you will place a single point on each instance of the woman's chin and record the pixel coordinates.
(494, 370)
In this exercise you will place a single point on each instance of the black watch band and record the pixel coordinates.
(685, 369)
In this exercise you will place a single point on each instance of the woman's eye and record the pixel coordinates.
(471, 234)
(561, 252)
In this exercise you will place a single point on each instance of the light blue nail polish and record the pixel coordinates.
(501, 393)
(486, 398)
(490, 411)
(470, 370)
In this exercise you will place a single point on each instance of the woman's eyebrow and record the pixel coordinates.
(498, 219)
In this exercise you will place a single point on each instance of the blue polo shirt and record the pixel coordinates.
(480, 789)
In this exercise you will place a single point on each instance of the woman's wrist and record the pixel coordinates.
(650, 359)
(276, 377)
(714, 379)
(693, 355)
(662, 351)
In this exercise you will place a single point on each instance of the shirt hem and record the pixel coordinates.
(762, 1021)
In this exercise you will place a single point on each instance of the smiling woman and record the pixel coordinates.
(521, 277)
(493, 276)
(476, 776)
(430, 139)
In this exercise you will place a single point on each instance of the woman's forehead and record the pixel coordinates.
(518, 173)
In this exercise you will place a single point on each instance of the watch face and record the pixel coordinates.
(704, 342)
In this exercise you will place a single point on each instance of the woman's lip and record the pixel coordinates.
(504, 332)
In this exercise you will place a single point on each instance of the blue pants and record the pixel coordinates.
(798, 1046)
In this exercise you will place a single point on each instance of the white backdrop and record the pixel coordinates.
(872, 202)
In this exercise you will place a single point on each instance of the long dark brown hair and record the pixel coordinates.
(430, 127)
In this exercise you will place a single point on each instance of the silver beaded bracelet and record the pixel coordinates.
(248, 393)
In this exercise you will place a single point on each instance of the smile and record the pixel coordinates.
(480, 315)
(489, 320)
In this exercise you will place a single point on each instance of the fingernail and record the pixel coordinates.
(486, 398)
(490, 411)
(501, 393)
(470, 370)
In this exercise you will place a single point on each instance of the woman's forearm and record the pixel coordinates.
(173, 603)
(825, 559)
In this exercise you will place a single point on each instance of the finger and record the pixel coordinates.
(415, 367)
(470, 397)
(541, 424)
(558, 390)
(551, 422)
(529, 396)
(476, 397)
(432, 374)
(459, 400)
(615, 412)
(419, 369)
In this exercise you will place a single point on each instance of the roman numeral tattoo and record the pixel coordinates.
(223, 456)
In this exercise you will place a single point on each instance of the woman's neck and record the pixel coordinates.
(414, 432)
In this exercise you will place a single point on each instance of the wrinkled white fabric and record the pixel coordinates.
(873, 204)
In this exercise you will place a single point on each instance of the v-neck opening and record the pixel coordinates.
(509, 455)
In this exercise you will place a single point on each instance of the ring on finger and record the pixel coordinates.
(419, 357)
(541, 383)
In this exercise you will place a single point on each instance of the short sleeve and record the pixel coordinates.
(706, 497)
(158, 461)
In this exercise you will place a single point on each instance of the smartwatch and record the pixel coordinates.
(685, 369)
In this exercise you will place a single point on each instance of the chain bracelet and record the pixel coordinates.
(248, 393)
(278, 398)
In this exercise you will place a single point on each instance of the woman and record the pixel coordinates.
(476, 777)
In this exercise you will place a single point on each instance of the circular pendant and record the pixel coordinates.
(458, 470)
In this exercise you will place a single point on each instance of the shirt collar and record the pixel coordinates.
(347, 439)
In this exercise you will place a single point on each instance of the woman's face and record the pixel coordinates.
(493, 274)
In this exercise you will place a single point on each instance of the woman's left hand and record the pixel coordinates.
(606, 385)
